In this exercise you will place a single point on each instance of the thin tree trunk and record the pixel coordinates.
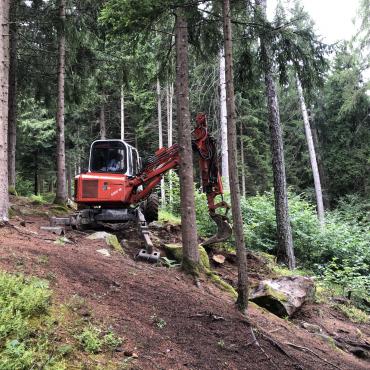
(322, 172)
(69, 180)
(187, 201)
(312, 154)
(12, 103)
(4, 85)
(122, 113)
(160, 135)
(169, 101)
(36, 175)
(242, 301)
(223, 122)
(242, 160)
(285, 252)
(61, 193)
(102, 125)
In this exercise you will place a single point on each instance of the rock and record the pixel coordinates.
(104, 252)
(218, 258)
(312, 328)
(285, 295)
(174, 251)
(110, 239)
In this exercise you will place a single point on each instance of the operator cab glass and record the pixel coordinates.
(108, 156)
(114, 156)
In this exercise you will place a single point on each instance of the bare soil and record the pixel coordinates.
(167, 320)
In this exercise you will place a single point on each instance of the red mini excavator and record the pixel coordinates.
(117, 187)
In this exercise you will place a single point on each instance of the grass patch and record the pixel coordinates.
(353, 313)
(37, 199)
(165, 216)
(26, 328)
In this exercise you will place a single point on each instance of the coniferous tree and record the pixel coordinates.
(4, 81)
(284, 233)
(61, 192)
(242, 301)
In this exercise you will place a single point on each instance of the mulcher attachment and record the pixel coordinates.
(148, 254)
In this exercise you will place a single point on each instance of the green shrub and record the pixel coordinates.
(24, 186)
(37, 199)
(25, 326)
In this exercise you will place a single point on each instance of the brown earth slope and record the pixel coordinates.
(168, 321)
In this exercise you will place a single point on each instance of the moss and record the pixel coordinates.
(174, 251)
(275, 294)
(221, 283)
(12, 213)
(112, 241)
(12, 191)
(59, 210)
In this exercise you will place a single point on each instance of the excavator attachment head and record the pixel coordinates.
(224, 229)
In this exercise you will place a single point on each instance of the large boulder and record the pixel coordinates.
(285, 295)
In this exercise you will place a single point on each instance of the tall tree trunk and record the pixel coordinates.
(122, 113)
(36, 174)
(312, 154)
(160, 135)
(69, 179)
(242, 160)
(242, 301)
(61, 193)
(223, 122)
(169, 101)
(102, 125)
(320, 164)
(187, 201)
(285, 252)
(4, 85)
(12, 103)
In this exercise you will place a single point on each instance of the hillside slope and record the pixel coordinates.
(167, 322)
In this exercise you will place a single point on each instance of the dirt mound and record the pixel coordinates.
(168, 321)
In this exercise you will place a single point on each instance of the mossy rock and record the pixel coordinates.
(174, 251)
(110, 239)
(283, 296)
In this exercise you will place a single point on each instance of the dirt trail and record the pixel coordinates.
(164, 317)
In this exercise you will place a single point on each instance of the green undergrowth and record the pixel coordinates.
(35, 334)
(167, 217)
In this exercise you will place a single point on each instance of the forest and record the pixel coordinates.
(290, 118)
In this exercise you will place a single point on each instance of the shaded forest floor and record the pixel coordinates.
(166, 321)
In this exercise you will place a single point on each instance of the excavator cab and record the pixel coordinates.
(114, 156)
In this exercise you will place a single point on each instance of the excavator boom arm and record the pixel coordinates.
(166, 159)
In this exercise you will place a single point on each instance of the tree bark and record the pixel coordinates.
(189, 232)
(242, 162)
(169, 101)
(160, 136)
(223, 122)
(312, 154)
(61, 193)
(122, 114)
(242, 301)
(285, 251)
(102, 125)
(4, 86)
(12, 103)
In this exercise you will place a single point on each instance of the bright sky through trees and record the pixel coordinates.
(333, 18)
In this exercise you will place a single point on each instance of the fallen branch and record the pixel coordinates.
(305, 349)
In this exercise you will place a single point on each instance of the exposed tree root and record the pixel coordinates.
(305, 349)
